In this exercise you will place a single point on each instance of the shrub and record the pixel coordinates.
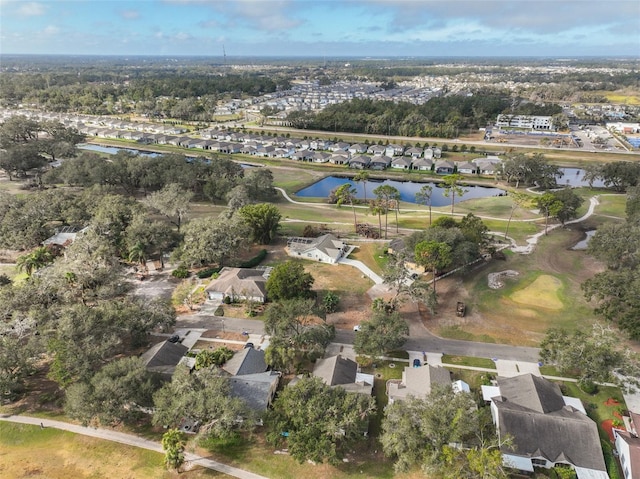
(180, 272)
(330, 302)
(219, 311)
(255, 261)
(207, 273)
(227, 300)
(588, 386)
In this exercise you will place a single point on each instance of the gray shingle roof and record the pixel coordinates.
(531, 410)
(255, 389)
(336, 370)
(246, 361)
(164, 357)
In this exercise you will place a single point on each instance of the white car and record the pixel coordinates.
(356, 328)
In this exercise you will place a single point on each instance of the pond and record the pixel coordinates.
(112, 150)
(407, 189)
(573, 177)
(582, 244)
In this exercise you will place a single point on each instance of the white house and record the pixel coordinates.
(325, 249)
(628, 446)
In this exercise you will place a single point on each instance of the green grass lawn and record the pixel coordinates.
(468, 361)
(29, 451)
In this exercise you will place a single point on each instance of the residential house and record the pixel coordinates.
(338, 371)
(359, 162)
(414, 152)
(246, 361)
(377, 150)
(545, 428)
(339, 158)
(256, 390)
(628, 446)
(401, 163)
(467, 168)
(321, 157)
(238, 284)
(340, 146)
(422, 164)
(303, 155)
(417, 382)
(428, 153)
(357, 149)
(64, 236)
(325, 249)
(163, 358)
(437, 152)
(488, 165)
(394, 150)
(380, 163)
(444, 167)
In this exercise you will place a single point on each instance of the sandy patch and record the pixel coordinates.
(543, 293)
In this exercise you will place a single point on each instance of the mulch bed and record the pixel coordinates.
(611, 402)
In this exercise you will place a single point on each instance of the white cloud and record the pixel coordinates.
(51, 30)
(31, 9)
(130, 14)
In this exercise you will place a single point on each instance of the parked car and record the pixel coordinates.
(174, 339)
(248, 345)
(356, 328)
(417, 363)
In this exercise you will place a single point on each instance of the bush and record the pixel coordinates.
(207, 273)
(330, 302)
(255, 261)
(588, 386)
(227, 300)
(180, 272)
(219, 311)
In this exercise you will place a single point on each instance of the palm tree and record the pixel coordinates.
(35, 260)
(364, 177)
(345, 194)
(385, 194)
(423, 197)
(377, 209)
(137, 254)
(453, 188)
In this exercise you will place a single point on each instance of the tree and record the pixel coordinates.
(289, 280)
(114, 393)
(206, 397)
(259, 184)
(594, 356)
(172, 201)
(18, 354)
(570, 204)
(434, 256)
(362, 176)
(386, 195)
(212, 240)
(330, 302)
(298, 324)
(549, 205)
(264, 220)
(384, 332)
(217, 357)
(517, 200)
(35, 260)
(318, 422)
(345, 194)
(19, 159)
(423, 197)
(453, 188)
(377, 209)
(417, 431)
(474, 230)
(173, 443)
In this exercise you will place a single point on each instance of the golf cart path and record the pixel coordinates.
(129, 440)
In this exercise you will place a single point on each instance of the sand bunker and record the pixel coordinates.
(543, 293)
(496, 279)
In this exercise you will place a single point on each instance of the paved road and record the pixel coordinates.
(130, 440)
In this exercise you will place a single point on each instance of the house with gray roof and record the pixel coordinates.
(246, 361)
(238, 284)
(401, 163)
(380, 163)
(338, 371)
(545, 430)
(164, 357)
(422, 164)
(256, 390)
(325, 249)
(359, 162)
(418, 382)
(444, 167)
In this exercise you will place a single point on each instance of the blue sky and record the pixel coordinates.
(322, 27)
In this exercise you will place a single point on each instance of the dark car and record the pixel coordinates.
(417, 363)
(174, 339)
(248, 345)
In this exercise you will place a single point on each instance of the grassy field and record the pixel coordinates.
(468, 361)
(371, 254)
(28, 451)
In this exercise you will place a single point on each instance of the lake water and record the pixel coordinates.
(112, 150)
(407, 189)
(573, 177)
